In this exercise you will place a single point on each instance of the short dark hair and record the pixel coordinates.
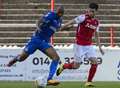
(93, 6)
(60, 9)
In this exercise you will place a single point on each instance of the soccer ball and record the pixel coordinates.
(41, 82)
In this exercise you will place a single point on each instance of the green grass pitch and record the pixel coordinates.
(15, 84)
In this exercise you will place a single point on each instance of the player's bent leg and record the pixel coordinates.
(73, 65)
(29, 49)
(55, 61)
(92, 72)
(18, 58)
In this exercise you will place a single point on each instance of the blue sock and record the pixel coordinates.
(53, 68)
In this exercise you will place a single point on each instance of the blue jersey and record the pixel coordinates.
(49, 25)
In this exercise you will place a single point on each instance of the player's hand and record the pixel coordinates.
(102, 52)
(64, 28)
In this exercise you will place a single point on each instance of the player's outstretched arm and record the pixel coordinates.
(98, 42)
(67, 25)
(77, 20)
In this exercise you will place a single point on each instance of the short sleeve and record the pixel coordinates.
(49, 15)
(79, 19)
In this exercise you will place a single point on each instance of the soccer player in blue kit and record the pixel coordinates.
(46, 27)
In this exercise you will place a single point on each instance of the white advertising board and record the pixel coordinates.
(38, 65)
(16, 72)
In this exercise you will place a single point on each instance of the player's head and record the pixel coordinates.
(93, 7)
(60, 11)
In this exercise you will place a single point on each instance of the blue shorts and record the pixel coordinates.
(36, 43)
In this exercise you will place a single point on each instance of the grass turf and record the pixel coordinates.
(62, 85)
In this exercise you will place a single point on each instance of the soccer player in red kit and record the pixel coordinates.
(87, 27)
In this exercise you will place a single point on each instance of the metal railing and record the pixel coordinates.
(110, 26)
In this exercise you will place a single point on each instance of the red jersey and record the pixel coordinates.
(85, 30)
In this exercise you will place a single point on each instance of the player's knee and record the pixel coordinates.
(56, 57)
(94, 62)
